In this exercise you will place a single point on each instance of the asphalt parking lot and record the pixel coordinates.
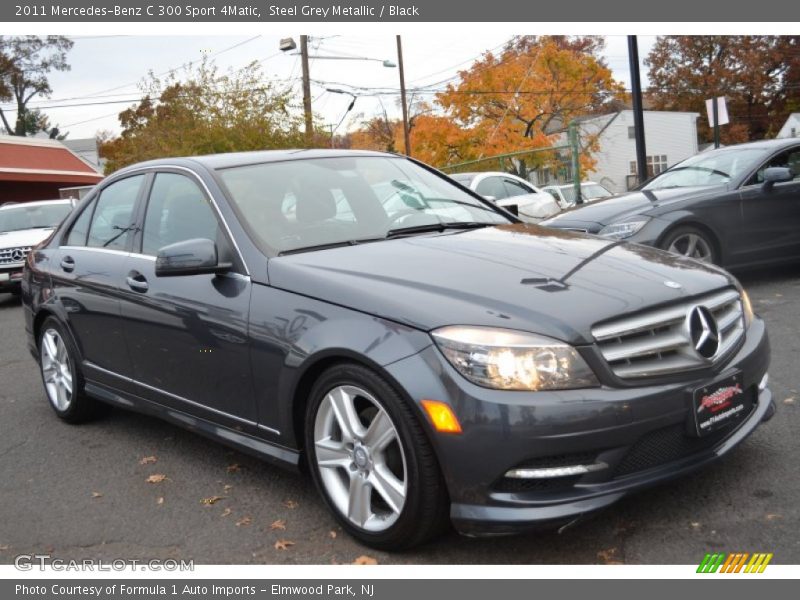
(83, 492)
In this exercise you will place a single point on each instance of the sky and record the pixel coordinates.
(107, 70)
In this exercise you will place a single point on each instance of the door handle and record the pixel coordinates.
(136, 281)
(67, 264)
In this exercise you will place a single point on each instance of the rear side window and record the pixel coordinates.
(113, 219)
(492, 186)
(177, 211)
(80, 228)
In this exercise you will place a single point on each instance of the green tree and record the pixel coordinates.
(25, 63)
(206, 112)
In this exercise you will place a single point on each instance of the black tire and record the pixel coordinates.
(425, 513)
(79, 407)
(680, 235)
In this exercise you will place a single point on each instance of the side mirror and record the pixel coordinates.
(189, 257)
(773, 175)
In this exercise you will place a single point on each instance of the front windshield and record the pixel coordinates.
(33, 217)
(308, 203)
(712, 168)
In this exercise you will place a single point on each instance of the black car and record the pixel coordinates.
(737, 206)
(440, 362)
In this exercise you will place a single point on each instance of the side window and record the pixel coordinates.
(515, 188)
(177, 211)
(112, 222)
(80, 228)
(492, 186)
(789, 158)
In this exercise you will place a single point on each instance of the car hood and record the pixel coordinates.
(592, 217)
(24, 237)
(517, 276)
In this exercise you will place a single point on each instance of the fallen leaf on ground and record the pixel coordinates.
(773, 516)
(365, 560)
(160, 500)
(226, 512)
(608, 556)
(291, 504)
(279, 524)
(148, 460)
(695, 524)
(332, 533)
(283, 544)
(156, 478)
(227, 488)
(244, 521)
(789, 401)
(97, 495)
(233, 468)
(4, 547)
(211, 500)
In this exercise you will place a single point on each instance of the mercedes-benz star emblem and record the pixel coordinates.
(703, 331)
(17, 254)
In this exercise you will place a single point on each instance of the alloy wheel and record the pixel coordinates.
(360, 458)
(56, 369)
(693, 246)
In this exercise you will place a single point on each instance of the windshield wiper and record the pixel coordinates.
(329, 245)
(436, 227)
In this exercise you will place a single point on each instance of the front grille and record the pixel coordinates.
(658, 342)
(670, 444)
(7, 255)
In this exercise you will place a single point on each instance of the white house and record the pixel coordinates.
(670, 137)
(791, 128)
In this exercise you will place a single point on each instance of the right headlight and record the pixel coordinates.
(506, 359)
(624, 229)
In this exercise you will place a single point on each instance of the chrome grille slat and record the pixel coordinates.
(5, 255)
(657, 342)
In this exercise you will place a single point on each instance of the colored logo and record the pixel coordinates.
(720, 399)
(735, 562)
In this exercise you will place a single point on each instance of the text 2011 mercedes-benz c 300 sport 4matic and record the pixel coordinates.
(428, 358)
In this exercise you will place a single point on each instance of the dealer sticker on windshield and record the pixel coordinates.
(718, 404)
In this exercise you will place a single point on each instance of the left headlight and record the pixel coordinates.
(506, 359)
(624, 229)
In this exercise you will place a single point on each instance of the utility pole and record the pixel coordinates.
(575, 160)
(715, 115)
(406, 133)
(306, 91)
(638, 112)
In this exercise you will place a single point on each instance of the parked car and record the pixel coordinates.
(736, 206)
(512, 193)
(436, 363)
(22, 226)
(565, 194)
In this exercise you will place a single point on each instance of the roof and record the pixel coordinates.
(34, 159)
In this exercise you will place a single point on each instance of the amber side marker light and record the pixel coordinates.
(442, 417)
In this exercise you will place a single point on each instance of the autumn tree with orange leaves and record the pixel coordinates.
(515, 100)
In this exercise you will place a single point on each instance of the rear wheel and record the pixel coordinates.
(691, 242)
(63, 382)
(371, 461)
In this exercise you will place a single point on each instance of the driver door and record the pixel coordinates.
(771, 217)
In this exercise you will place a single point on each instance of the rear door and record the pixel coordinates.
(87, 275)
(188, 335)
(771, 217)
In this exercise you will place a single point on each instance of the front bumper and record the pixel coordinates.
(640, 433)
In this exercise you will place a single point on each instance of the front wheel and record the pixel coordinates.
(371, 461)
(692, 243)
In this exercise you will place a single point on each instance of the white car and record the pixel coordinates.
(565, 194)
(513, 193)
(22, 226)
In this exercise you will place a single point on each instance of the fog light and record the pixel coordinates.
(549, 472)
(762, 385)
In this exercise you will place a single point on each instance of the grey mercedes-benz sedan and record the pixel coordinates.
(428, 358)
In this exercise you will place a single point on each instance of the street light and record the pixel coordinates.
(288, 44)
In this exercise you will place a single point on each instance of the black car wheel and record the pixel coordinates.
(371, 461)
(63, 381)
(691, 242)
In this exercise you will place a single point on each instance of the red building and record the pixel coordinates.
(35, 169)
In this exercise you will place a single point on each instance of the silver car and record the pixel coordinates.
(513, 193)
